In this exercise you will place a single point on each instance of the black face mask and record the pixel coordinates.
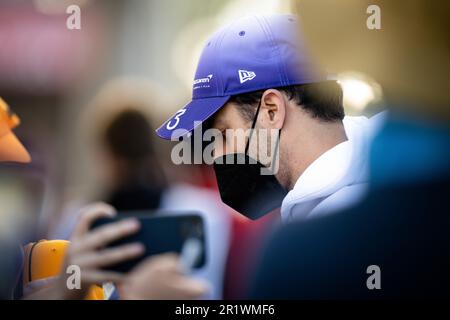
(243, 187)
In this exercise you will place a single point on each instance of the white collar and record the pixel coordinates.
(342, 165)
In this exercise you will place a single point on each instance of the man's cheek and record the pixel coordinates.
(230, 145)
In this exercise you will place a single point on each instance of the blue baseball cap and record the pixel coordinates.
(253, 53)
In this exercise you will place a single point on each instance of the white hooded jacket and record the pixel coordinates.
(338, 178)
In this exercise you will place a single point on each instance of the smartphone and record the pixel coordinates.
(161, 233)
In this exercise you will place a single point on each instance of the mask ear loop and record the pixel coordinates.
(253, 126)
(276, 151)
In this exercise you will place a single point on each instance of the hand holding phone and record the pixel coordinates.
(161, 232)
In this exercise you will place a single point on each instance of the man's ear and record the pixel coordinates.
(273, 108)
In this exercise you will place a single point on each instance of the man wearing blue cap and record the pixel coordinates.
(256, 74)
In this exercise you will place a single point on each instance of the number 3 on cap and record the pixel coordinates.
(175, 120)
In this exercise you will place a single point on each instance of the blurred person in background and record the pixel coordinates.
(400, 233)
(136, 178)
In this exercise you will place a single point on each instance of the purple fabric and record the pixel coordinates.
(253, 53)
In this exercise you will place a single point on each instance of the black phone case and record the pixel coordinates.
(159, 234)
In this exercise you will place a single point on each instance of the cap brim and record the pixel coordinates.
(12, 150)
(190, 116)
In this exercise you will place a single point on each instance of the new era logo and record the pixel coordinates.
(245, 75)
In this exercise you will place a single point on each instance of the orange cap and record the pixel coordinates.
(11, 149)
